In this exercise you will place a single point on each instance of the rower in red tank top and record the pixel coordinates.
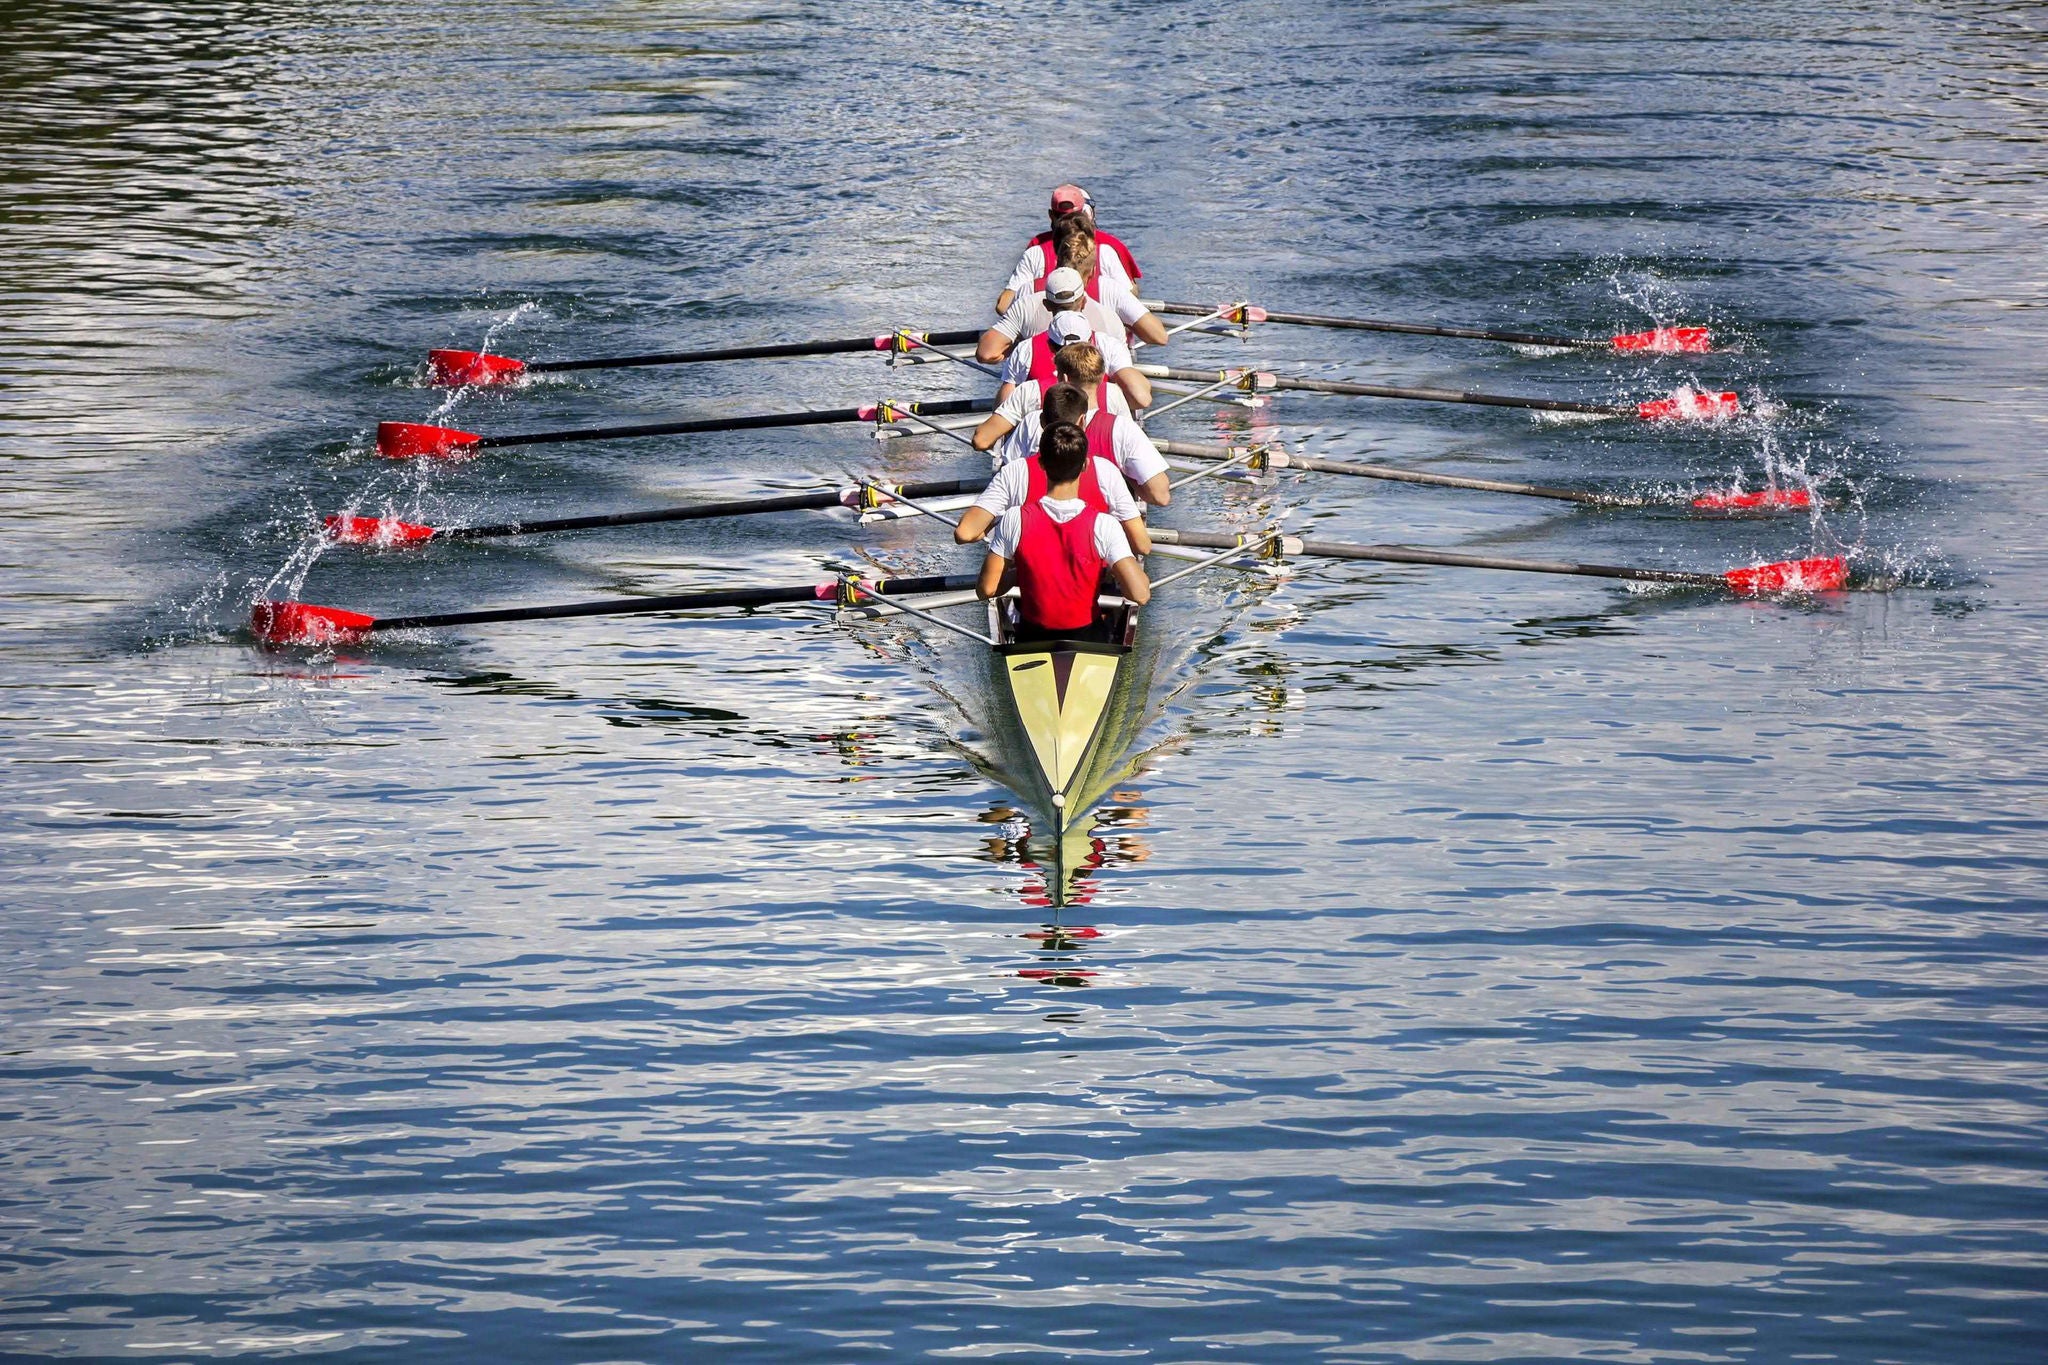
(1055, 547)
(1069, 203)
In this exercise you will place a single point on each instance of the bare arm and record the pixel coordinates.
(992, 570)
(1136, 387)
(1135, 532)
(993, 346)
(974, 524)
(1004, 300)
(993, 428)
(1157, 490)
(1150, 330)
(1130, 577)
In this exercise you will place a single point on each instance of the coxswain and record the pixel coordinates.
(1037, 261)
(1013, 429)
(1067, 323)
(1020, 483)
(1055, 547)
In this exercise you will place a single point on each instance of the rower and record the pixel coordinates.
(1055, 547)
(1110, 306)
(1021, 483)
(1013, 429)
(1037, 262)
(1068, 323)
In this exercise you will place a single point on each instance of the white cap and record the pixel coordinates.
(1065, 285)
(1071, 327)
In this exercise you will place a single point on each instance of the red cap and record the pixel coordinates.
(1071, 199)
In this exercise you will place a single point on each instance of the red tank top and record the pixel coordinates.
(1037, 485)
(1101, 431)
(1058, 569)
(1042, 368)
(1102, 239)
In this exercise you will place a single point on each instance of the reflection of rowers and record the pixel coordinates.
(1055, 545)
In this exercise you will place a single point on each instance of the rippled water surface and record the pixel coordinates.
(1473, 967)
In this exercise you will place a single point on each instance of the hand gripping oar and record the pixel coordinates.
(302, 623)
(387, 531)
(1658, 340)
(1822, 574)
(456, 368)
(1684, 405)
(414, 440)
(1271, 457)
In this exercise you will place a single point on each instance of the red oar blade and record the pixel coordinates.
(1763, 500)
(1666, 340)
(302, 623)
(454, 369)
(417, 440)
(1828, 573)
(381, 531)
(1688, 405)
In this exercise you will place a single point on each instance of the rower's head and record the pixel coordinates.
(1073, 244)
(1062, 452)
(1065, 290)
(1079, 362)
(1068, 199)
(1063, 404)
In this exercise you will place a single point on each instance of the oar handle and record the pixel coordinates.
(703, 511)
(688, 601)
(752, 423)
(771, 351)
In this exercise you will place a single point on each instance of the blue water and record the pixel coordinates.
(1474, 966)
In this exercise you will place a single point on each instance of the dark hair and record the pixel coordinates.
(1064, 403)
(1073, 243)
(1063, 452)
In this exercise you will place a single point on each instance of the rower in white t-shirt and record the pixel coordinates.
(1012, 431)
(1033, 359)
(1103, 482)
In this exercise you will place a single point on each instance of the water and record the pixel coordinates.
(1475, 967)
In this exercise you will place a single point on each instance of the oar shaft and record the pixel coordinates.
(1406, 328)
(1266, 382)
(688, 601)
(1407, 554)
(772, 351)
(703, 511)
(750, 423)
(1396, 475)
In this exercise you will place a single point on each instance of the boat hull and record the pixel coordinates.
(1069, 699)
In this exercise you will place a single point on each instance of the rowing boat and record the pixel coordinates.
(1071, 701)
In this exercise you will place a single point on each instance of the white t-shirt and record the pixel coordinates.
(1033, 267)
(1110, 541)
(1017, 364)
(1012, 484)
(1131, 450)
(1027, 400)
(1109, 315)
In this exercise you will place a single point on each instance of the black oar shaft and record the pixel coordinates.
(771, 351)
(1396, 475)
(688, 601)
(1406, 328)
(751, 423)
(703, 511)
(1408, 554)
(1497, 400)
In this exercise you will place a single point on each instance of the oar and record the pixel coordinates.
(1271, 457)
(1822, 574)
(452, 368)
(302, 623)
(412, 440)
(388, 531)
(1684, 405)
(1659, 340)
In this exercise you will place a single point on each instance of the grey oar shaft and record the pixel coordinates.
(1425, 395)
(1394, 475)
(1408, 554)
